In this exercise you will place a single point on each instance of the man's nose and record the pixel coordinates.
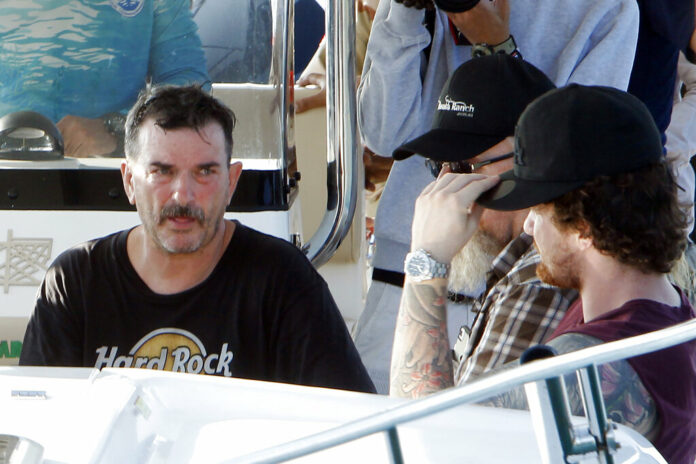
(183, 189)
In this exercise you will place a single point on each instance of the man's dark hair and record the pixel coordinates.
(634, 217)
(174, 107)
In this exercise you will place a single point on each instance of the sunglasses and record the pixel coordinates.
(462, 167)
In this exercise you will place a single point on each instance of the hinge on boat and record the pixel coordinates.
(559, 438)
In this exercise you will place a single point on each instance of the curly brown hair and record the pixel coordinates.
(634, 217)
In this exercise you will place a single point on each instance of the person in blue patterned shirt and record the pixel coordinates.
(82, 63)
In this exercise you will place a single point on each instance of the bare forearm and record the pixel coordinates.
(444, 220)
(421, 361)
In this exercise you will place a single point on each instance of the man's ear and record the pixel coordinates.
(127, 177)
(235, 173)
(583, 237)
(585, 242)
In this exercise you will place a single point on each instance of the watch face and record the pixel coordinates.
(115, 123)
(418, 265)
(480, 50)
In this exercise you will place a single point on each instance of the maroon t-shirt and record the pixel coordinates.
(669, 375)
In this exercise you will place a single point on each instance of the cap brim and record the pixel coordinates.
(513, 194)
(446, 145)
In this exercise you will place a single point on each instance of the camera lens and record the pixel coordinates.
(456, 6)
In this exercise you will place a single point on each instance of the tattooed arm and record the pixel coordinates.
(444, 220)
(421, 361)
(625, 398)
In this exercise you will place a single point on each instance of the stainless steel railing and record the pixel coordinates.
(342, 140)
(475, 391)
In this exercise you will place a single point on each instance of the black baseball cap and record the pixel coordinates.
(478, 107)
(570, 136)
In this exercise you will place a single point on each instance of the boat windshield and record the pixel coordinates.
(79, 65)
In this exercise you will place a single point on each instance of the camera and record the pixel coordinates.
(456, 6)
(417, 4)
(452, 6)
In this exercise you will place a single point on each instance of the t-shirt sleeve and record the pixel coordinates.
(314, 346)
(53, 334)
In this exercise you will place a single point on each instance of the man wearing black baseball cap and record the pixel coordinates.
(562, 142)
(606, 221)
(411, 54)
(472, 133)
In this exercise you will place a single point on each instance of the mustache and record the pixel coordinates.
(194, 212)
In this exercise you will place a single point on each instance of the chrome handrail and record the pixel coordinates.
(477, 390)
(342, 141)
(287, 74)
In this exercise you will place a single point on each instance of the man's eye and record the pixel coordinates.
(160, 171)
(206, 171)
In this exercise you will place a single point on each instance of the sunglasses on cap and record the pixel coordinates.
(462, 167)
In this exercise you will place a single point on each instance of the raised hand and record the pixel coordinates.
(446, 215)
(488, 22)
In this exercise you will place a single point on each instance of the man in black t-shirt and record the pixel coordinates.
(189, 291)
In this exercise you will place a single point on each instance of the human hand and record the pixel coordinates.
(317, 100)
(488, 22)
(376, 169)
(446, 215)
(84, 137)
(367, 8)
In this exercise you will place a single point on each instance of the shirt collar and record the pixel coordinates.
(507, 258)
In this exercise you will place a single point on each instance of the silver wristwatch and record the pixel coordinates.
(507, 47)
(419, 266)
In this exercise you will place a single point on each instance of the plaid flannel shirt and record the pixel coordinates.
(517, 311)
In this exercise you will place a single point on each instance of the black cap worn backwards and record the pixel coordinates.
(570, 136)
(478, 108)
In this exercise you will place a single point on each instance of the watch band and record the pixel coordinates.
(115, 124)
(507, 46)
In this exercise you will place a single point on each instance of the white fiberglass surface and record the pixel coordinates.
(134, 415)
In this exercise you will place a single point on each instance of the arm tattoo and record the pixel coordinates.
(625, 397)
(421, 360)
